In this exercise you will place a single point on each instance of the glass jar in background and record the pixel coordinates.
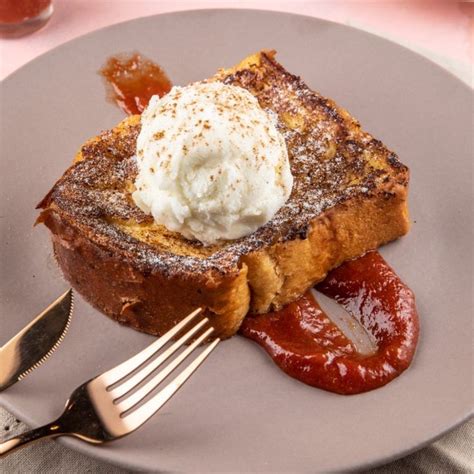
(22, 17)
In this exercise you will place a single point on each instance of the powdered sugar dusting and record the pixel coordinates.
(329, 158)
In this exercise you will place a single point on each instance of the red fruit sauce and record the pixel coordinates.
(308, 346)
(132, 79)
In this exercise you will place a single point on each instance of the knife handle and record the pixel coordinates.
(47, 431)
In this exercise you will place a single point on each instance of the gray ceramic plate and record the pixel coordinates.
(240, 412)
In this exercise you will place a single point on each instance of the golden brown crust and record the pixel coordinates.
(281, 273)
(149, 302)
(349, 196)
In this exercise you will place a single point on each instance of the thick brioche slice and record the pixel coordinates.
(349, 196)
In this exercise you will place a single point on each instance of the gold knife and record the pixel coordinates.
(36, 341)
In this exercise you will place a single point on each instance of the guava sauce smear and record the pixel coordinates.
(308, 346)
(132, 79)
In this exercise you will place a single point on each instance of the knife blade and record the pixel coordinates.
(28, 349)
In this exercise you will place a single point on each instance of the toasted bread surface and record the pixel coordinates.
(349, 196)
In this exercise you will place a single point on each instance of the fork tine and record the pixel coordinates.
(136, 418)
(132, 382)
(120, 371)
(140, 394)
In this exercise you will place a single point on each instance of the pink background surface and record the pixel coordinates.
(443, 27)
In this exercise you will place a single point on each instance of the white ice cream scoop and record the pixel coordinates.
(212, 166)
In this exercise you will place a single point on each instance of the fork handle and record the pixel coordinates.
(46, 431)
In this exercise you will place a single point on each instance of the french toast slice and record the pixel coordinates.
(349, 196)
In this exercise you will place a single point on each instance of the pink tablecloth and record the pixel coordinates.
(443, 30)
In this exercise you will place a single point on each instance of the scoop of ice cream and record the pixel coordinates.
(211, 164)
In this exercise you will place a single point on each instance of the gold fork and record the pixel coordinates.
(109, 406)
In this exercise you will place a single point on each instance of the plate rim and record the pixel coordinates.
(239, 10)
(93, 451)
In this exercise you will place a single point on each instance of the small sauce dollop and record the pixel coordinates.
(132, 79)
(308, 346)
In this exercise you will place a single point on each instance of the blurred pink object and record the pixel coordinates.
(441, 27)
(22, 17)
